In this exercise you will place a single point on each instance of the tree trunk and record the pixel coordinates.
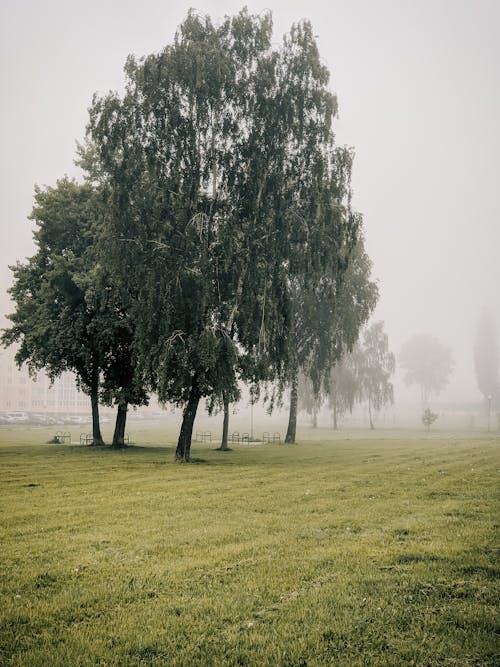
(314, 418)
(335, 422)
(292, 418)
(225, 426)
(370, 413)
(183, 451)
(121, 420)
(96, 428)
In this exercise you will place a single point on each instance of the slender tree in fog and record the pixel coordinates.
(307, 399)
(363, 375)
(224, 189)
(343, 389)
(374, 364)
(428, 363)
(486, 358)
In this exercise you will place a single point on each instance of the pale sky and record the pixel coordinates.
(418, 84)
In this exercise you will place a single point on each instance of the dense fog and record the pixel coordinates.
(418, 87)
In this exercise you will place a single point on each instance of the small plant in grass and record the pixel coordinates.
(429, 417)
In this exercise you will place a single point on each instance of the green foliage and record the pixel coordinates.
(51, 318)
(69, 314)
(429, 417)
(226, 194)
(181, 153)
(327, 322)
(428, 363)
(331, 322)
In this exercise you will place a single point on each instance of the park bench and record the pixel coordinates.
(62, 437)
(203, 436)
(271, 437)
(238, 437)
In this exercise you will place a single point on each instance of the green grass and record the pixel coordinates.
(362, 551)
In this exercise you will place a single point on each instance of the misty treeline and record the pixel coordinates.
(362, 375)
(212, 240)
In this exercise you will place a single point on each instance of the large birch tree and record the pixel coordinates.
(224, 193)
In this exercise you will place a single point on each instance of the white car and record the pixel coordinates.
(18, 417)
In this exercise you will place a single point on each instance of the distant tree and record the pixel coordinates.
(374, 364)
(308, 401)
(486, 358)
(343, 391)
(428, 364)
(429, 417)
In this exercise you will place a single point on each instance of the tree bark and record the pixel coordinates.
(370, 413)
(335, 422)
(96, 428)
(292, 418)
(121, 420)
(183, 451)
(314, 418)
(225, 426)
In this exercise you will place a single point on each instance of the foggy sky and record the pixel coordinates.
(418, 83)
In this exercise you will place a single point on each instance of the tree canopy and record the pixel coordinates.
(68, 316)
(428, 363)
(225, 194)
(328, 318)
(375, 365)
(213, 239)
(344, 389)
(363, 375)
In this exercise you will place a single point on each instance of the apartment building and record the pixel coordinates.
(19, 391)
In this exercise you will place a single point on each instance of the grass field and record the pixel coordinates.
(372, 551)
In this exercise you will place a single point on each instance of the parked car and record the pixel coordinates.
(18, 417)
(37, 418)
(78, 419)
(41, 419)
(5, 418)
